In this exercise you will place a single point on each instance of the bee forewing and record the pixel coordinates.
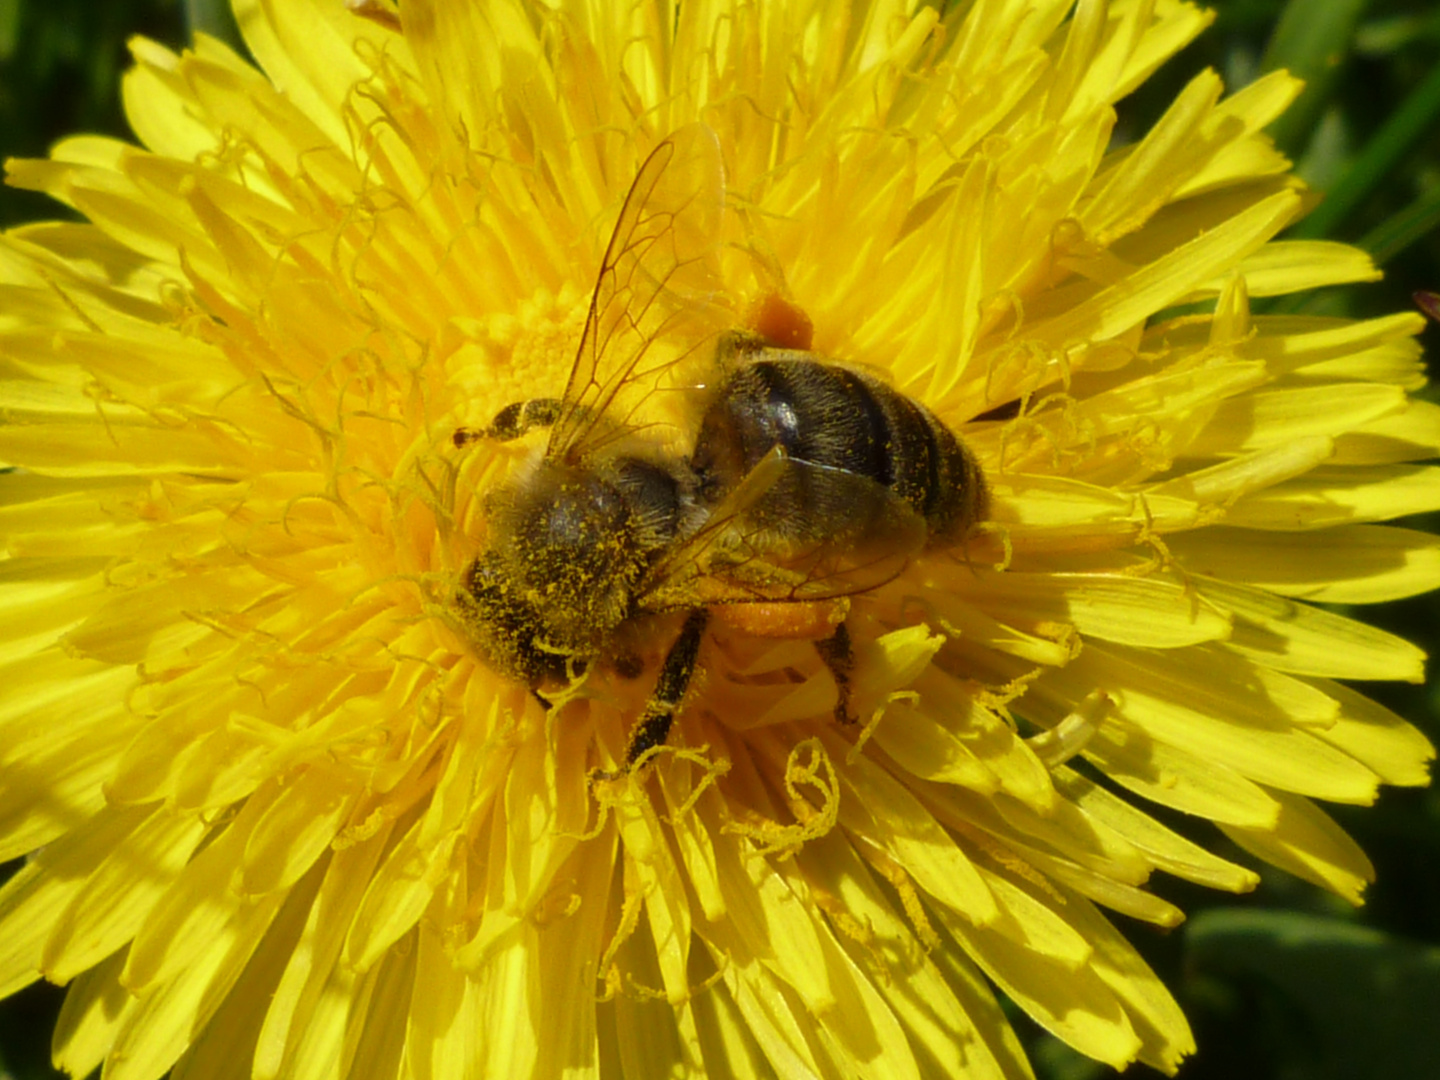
(658, 296)
(791, 530)
(673, 578)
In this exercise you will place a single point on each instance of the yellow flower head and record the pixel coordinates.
(290, 818)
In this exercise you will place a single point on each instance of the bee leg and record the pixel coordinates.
(654, 724)
(839, 657)
(513, 421)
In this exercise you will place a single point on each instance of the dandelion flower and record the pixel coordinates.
(283, 819)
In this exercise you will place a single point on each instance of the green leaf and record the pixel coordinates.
(9, 27)
(215, 18)
(1399, 231)
(1415, 117)
(1311, 41)
(1359, 1002)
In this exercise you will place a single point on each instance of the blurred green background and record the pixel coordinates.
(1287, 983)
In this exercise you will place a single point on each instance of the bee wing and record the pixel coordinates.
(660, 267)
(791, 531)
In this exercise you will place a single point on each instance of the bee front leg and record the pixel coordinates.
(839, 656)
(653, 727)
(513, 421)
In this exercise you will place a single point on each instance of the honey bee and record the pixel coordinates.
(805, 482)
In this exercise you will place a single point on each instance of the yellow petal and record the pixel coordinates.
(1128, 610)
(1324, 497)
(1287, 636)
(114, 903)
(96, 1006)
(1212, 709)
(1308, 843)
(1166, 850)
(1273, 418)
(1357, 564)
(1395, 750)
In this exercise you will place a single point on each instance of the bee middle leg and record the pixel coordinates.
(653, 727)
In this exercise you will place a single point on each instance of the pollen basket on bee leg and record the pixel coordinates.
(810, 620)
(782, 324)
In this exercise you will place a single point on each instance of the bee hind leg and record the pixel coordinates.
(839, 656)
(513, 421)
